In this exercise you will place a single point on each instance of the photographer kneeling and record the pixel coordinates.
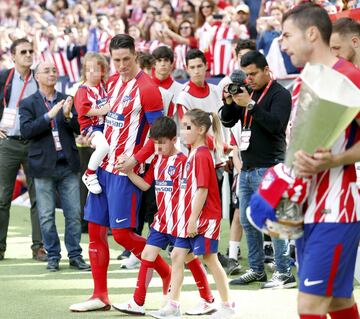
(264, 115)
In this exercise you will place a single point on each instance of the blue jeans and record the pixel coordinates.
(249, 183)
(66, 183)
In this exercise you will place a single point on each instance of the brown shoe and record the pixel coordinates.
(40, 254)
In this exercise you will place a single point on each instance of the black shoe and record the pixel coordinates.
(248, 277)
(39, 254)
(233, 267)
(280, 280)
(79, 263)
(124, 255)
(2, 255)
(223, 260)
(269, 253)
(53, 265)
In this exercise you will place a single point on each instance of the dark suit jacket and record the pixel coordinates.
(42, 155)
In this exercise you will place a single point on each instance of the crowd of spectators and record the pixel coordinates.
(65, 30)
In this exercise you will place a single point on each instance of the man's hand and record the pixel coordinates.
(192, 228)
(87, 140)
(227, 96)
(126, 164)
(55, 110)
(105, 109)
(67, 106)
(307, 165)
(120, 161)
(2, 134)
(242, 99)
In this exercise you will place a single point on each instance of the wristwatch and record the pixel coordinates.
(250, 106)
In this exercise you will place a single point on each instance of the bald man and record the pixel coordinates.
(48, 120)
(345, 40)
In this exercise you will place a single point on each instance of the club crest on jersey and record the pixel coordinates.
(183, 183)
(126, 98)
(163, 186)
(267, 180)
(172, 170)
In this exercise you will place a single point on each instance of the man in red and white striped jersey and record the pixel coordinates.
(135, 104)
(327, 251)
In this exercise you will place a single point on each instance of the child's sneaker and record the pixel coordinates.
(202, 308)
(170, 311)
(92, 183)
(130, 307)
(225, 311)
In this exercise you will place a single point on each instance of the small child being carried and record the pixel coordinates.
(92, 104)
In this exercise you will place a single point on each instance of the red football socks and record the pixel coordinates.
(199, 274)
(131, 241)
(99, 260)
(348, 313)
(90, 172)
(312, 316)
(143, 280)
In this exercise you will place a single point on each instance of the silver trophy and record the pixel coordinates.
(328, 103)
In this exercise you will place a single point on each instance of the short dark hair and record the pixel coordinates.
(163, 127)
(245, 44)
(254, 57)
(194, 54)
(145, 60)
(163, 52)
(122, 41)
(16, 43)
(345, 26)
(308, 15)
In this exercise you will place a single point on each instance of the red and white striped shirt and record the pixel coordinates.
(167, 172)
(59, 58)
(87, 98)
(181, 50)
(334, 196)
(104, 39)
(221, 49)
(126, 125)
(199, 172)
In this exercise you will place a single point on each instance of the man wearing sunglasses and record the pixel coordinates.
(16, 84)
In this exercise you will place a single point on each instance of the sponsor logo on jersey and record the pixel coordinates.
(163, 186)
(115, 119)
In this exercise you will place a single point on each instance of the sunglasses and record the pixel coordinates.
(23, 52)
(185, 28)
(206, 6)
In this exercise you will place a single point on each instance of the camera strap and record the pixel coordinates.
(257, 102)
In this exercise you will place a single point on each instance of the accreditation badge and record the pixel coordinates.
(245, 139)
(56, 138)
(8, 120)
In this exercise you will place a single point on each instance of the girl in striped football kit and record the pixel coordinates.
(199, 213)
(92, 104)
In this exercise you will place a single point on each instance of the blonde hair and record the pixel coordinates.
(208, 119)
(99, 58)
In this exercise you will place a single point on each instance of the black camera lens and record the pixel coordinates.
(234, 88)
